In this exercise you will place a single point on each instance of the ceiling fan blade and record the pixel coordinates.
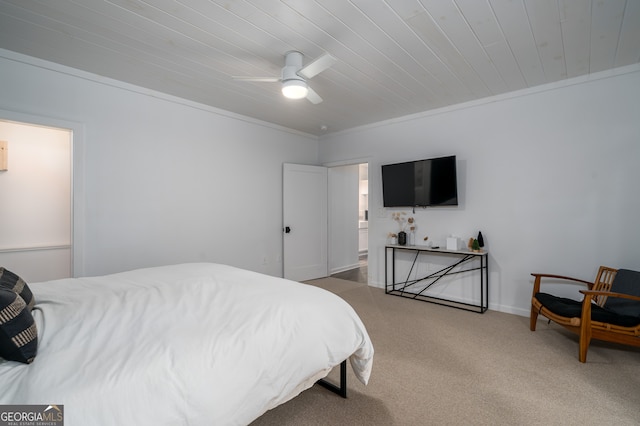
(258, 79)
(317, 66)
(313, 97)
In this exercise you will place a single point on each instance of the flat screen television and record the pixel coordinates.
(422, 183)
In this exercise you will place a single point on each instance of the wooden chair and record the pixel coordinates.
(610, 309)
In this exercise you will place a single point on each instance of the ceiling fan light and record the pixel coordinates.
(294, 89)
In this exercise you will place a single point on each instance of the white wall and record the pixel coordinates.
(550, 176)
(165, 180)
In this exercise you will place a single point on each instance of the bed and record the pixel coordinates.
(189, 344)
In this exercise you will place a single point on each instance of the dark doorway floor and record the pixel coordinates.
(359, 274)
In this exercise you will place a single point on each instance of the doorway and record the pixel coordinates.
(37, 234)
(348, 222)
(363, 222)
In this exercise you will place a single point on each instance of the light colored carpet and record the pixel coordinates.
(438, 365)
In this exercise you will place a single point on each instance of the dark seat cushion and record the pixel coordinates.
(573, 309)
(560, 306)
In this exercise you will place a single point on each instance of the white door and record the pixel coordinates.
(304, 222)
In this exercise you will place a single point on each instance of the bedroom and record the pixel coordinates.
(548, 174)
(513, 150)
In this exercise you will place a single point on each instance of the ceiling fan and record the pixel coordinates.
(294, 76)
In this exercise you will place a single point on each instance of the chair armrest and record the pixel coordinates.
(538, 280)
(562, 277)
(592, 293)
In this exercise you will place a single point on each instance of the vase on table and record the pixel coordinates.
(402, 238)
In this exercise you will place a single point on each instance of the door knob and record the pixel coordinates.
(287, 230)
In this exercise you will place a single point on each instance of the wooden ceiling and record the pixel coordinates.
(394, 57)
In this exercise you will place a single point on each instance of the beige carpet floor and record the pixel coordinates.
(436, 365)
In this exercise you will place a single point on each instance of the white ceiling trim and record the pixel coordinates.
(602, 75)
(105, 81)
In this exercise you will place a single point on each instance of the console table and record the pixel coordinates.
(463, 261)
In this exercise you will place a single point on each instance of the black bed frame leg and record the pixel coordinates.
(342, 389)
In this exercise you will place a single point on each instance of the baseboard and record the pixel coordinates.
(344, 268)
(492, 307)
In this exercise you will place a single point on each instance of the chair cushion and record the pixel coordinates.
(626, 282)
(573, 309)
(560, 306)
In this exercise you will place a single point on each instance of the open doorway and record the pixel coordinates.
(36, 182)
(363, 221)
(348, 222)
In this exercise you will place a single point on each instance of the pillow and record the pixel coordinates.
(18, 333)
(11, 281)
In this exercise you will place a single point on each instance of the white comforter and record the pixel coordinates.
(192, 344)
